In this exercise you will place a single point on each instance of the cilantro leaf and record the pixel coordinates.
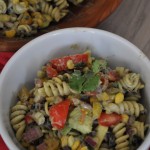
(76, 82)
(91, 83)
(84, 83)
(88, 74)
(95, 66)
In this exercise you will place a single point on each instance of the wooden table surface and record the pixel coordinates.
(131, 20)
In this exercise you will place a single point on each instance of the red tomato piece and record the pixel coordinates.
(61, 63)
(58, 114)
(51, 72)
(28, 119)
(109, 119)
(113, 76)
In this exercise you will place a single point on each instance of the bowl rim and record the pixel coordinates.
(7, 139)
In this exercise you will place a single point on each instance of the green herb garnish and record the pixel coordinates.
(84, 83)
(98, 65)
(91, 83)
(76, 81)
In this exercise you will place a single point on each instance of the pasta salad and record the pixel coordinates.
(24, 18)
(80, 103)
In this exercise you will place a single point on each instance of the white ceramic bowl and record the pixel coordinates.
(22, 67)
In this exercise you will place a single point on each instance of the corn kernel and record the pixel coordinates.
(84, 148)
(75, 145)
(70, 141)
(96, 110)
(10, 33)
(103, 96)
(93, 99)
(119, 98)
(125, 118)
(64, 141)
(70, 64)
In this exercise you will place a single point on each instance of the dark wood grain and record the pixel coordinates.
(131, 20)
(89, 14)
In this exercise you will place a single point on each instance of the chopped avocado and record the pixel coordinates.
(75, 123)
(65, 130)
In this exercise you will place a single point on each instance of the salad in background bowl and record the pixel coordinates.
(89, 85)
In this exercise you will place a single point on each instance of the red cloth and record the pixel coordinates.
(4, 57)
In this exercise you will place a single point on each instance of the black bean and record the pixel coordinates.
(111, 139)
(95, 124)
(136, 140)
(85, 98)
(93, 133)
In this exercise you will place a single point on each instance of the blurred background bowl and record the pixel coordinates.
(88, 14)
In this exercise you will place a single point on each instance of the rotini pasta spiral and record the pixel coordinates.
(139, 127)
(17, 118)
(130, 82)
(24, 30)
(3, 7)
(61, 4)
(126, 107)
(55, 88)
(20, 8)
(54, 12)
(46, 8)
(121, 141)
(122, 71)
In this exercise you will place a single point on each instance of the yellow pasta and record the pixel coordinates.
(139, 127)
(17, 119)
(126, 107)
(122, 142)
(130, 82)
(122, 71)
(3, 7)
